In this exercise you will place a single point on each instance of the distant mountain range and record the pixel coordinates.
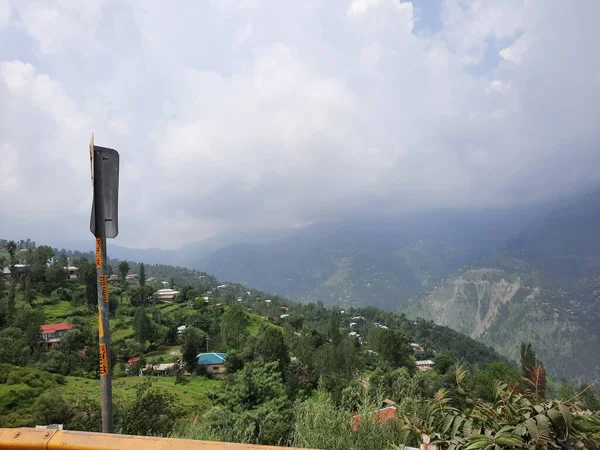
(498, 275)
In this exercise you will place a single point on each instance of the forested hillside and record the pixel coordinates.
(542, 286)
(305, 360)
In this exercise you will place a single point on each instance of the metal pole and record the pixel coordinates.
(104, 335)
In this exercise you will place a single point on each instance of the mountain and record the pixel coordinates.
(542, 286)
(381, 261)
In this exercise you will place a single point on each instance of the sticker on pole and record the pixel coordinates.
(104, 284)
(103, 360)
(98, 253)
(100, 324)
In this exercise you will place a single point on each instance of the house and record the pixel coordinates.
(385, 414)
(72, 272)
(5, 273)
(160, 369)
(283, 309)
(426, 364)
(181, 329)
(53, 332)
(131, 276)
(165, 283)
(417, 348)
(113, 277)
(352, 324)
(166, 294)
(357, 318)
(267, 301)
(383, 327)
(151, 280)
(214, 363)
(284, 316)
(133, 360)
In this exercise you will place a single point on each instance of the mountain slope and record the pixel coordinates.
(543, 286)
(503, 309)
(381, 261)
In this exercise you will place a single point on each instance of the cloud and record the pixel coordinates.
(236, 114)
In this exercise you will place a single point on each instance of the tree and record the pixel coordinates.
(172, 283)
(252, 407)
(159, 412)
(56, 275)
(87, 274)
(192, 342)
(142, 325)
(142, 275)
(28, 291)
(393, 348)
(334, 325)
(271, 347)
(11, 300)
(234, 325)
(528, 359)
(11, 247)
(123, 270)
(187, 293)
(51, 408)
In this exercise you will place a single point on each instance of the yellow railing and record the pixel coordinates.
(33, 439)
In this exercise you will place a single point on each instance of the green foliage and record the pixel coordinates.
(192, 342)
(512, 421)
(320, 423)
(142, 277)
(253, 407)
(234, 325)
(393, 348)
(123, 270)
(271, 347)
(142, 325)
(152, 412)
(52, 408)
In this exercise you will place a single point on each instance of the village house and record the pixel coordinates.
(53, 332)
(385, 414)
(166, 294)
(72, 272)
(214, 363)
(425, 365)
(151, 280)
(132, 276)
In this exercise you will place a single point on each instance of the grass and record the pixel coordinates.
(256, 322)
(190, 397)
(164, 353)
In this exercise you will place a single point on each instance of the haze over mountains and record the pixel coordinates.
(498, 275)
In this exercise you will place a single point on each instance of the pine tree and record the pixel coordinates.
(142, 275)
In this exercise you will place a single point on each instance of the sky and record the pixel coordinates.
(254, 114)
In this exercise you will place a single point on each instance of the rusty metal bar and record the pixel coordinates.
(34, 439)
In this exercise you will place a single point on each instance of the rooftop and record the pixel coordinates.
(54, 327)
(211, 358)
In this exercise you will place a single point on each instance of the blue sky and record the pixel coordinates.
(237, 114)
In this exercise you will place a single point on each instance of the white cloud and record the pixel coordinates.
(257, 113)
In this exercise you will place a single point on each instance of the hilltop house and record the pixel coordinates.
(53, 332)
(151, 280)
(166, 294)
(214, 363)
(113, 277)
(131, 276)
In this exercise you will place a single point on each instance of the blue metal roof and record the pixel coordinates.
(211, 358)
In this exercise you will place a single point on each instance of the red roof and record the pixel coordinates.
(383, 415)
(54, 327)
(133, 360)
